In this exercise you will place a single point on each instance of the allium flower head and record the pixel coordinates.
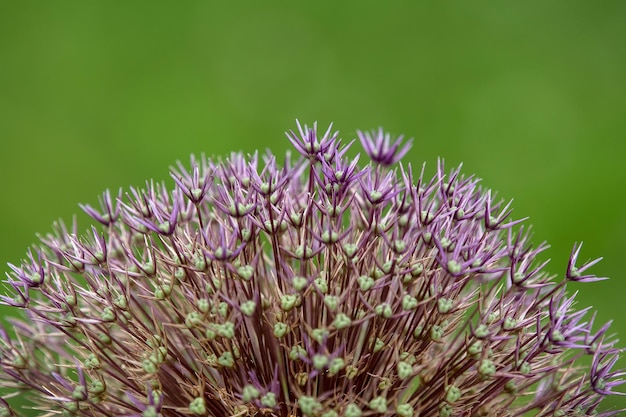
(306, 286)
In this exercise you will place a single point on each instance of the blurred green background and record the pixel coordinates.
(531, 96)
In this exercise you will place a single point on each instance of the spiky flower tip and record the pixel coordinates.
(313, 288)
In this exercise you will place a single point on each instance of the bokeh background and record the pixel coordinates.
(530, 96)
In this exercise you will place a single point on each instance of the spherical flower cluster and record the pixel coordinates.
(307, 287)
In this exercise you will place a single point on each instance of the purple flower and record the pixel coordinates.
(312, 287)
(378, 146)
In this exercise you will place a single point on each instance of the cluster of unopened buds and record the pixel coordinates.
(308, 286)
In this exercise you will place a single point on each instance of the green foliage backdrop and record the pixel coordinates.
(529, 95)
